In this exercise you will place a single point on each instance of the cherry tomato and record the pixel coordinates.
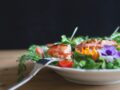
(40, 51)
(65, 63)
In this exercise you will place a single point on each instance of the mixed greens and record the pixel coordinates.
(82, 52)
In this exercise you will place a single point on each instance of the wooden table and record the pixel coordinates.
(46, 79)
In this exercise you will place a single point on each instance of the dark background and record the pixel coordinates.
(23, 22)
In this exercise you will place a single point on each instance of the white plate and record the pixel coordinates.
(89, 77)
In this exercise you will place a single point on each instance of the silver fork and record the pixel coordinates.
(37, 67)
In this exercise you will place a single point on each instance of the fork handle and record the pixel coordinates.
(35, 70)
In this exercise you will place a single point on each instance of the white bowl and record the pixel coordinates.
(89, 77)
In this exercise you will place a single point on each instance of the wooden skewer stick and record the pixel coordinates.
(116, 30)
(74, 32)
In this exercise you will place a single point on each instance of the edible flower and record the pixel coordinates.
(89, 51)
(109, 53)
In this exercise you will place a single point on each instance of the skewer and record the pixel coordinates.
(116, 30)
(74, 32)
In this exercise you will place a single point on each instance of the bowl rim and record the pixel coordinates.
(82, 70)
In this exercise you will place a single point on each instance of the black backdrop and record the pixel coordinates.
(23, 22)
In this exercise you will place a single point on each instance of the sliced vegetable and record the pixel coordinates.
(65, 63)
(40, 51)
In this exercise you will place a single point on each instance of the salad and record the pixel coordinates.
(82, 52)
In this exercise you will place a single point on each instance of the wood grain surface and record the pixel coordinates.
(46, 79)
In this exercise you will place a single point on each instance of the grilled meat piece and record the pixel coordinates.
(60, 51)
(95, 43)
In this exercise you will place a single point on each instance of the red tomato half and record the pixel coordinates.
(65, 63)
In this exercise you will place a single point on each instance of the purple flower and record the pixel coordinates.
(108, 50)
(109, 53)
(117, 55)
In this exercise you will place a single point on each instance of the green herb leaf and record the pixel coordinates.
(109, 65)
(103, 62)
(76, 64)
(74, 41)
(82, 63)
(30, 55)
(22, 66)
(65, 39)
(77, 56)
(90, 64)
